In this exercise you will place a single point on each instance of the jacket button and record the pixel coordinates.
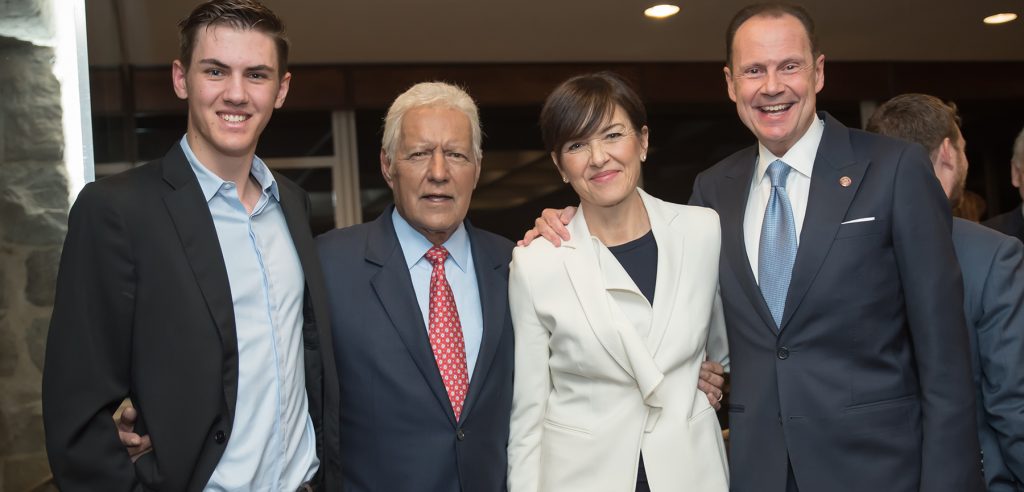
(219, 437)
(782, 353)
(460, 435)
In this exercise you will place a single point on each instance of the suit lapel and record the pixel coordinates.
(589, 287)
(732, 208)
(295, 214)
(493, 285)
(671, 244)
(827, 203)
(394, 290)
(606, 294)
(192, 220)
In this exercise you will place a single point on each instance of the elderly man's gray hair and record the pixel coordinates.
(427, 94)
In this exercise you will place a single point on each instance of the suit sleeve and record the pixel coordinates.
(1001, 352)
(696, 198)
(86, 372)
(933, 297)
(532, 383)
(718, 344)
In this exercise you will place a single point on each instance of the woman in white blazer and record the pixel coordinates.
(604, 378)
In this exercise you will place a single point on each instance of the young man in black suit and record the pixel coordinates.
(191, 285)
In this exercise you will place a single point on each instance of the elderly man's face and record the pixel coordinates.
(434, 171)
(774, 80)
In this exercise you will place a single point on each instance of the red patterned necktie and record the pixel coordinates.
(446, 332)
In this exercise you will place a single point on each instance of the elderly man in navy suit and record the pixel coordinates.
(993, 270)
(423, 331)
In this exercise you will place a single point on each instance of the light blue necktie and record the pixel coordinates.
(777, 251)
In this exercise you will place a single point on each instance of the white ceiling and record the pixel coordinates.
(456, 31)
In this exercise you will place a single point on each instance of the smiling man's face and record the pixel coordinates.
(232, 84)
(774, 79)
(434, 171)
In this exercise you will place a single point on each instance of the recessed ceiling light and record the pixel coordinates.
(1000, 18)
(661, 11)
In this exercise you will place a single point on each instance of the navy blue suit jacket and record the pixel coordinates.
(993, 268)
(397, 426)
(867, 385)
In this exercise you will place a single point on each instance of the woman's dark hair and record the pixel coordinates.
(578, 107)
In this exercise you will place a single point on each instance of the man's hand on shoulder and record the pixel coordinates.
(551, 224)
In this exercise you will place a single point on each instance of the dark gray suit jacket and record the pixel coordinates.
(143, 309)
(1011, 223)
(399, 430)
(993, 268)
(867, 387)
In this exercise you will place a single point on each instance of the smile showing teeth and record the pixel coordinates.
(233, 118)
(775, 108)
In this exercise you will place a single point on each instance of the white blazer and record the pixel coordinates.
(600, 374)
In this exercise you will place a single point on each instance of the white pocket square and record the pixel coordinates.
(854, 221)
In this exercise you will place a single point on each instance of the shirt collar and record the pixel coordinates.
(415, 245)
(210, 183)
(800, 156)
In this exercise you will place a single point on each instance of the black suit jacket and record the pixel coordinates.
(400, 432)
(1011, 223)
(868, 384)
(143, 309)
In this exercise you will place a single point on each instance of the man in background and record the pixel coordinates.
(993, 270)
(1012, 223)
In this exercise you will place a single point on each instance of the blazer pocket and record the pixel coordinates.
(737, 408)
(865, 228)
(567, 428)
(880, 415)
(695, 417)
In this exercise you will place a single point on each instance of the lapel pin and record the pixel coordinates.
(845, 181)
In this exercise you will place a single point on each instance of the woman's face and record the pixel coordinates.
(604, 168)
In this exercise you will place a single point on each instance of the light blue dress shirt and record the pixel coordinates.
(272, 444)
(460, 274)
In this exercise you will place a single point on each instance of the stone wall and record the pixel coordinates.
(33, 217)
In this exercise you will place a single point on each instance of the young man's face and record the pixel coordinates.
(233, 84)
